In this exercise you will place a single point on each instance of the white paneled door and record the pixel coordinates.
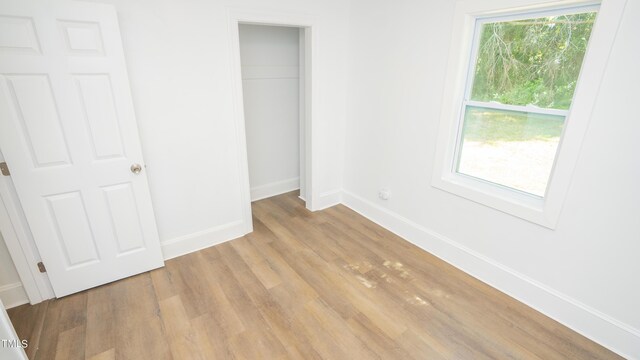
(69, 135)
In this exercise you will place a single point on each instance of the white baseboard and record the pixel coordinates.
(13, 295)
(601, 328)
(202, 239)
(274, 188)
(327, 199)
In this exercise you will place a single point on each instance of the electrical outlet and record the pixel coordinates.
(384, 194)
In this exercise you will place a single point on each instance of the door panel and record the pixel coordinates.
(69, 134)
(124, 217)
(35, 109)
(99, 111)
(82, 38)
(68, 216)
(18, 34)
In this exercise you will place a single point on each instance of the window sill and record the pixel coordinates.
(513, 202)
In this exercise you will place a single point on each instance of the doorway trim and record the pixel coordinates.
(308, 26)
(22, 249)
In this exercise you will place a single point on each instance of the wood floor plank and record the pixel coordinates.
(378, 342)
(100, 334)
(212, 338)
(183, 270)
(140, 333)
(290, 278)
(105, 355)
(163, 283)
(319, 338)
(177, 326)
(339, 330)
(237, 289)
(146, 341)
(313, 285)
(224, 314)
(265, 273)
(71, 344)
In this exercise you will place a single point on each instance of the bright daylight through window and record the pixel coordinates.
(518, 96)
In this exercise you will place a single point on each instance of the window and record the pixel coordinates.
(520, 87)
(521, 84)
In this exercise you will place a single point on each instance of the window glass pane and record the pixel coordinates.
(532, 61)
(510, 148)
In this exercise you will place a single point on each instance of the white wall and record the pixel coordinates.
(179, 63)
(588, 265)
(270, 86)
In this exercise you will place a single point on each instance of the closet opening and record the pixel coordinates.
(273, 72)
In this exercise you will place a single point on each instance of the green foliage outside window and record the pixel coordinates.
(532, 61)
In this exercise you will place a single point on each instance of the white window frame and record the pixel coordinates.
(470, 78)
(543, 211)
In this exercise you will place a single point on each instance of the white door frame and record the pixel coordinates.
(308, 25)
(22, 248)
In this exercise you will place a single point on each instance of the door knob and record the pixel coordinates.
(136, 168)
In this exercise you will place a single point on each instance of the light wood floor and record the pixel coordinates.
(326, 285)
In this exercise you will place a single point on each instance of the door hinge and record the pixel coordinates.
(4, 168)
(41, 267)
